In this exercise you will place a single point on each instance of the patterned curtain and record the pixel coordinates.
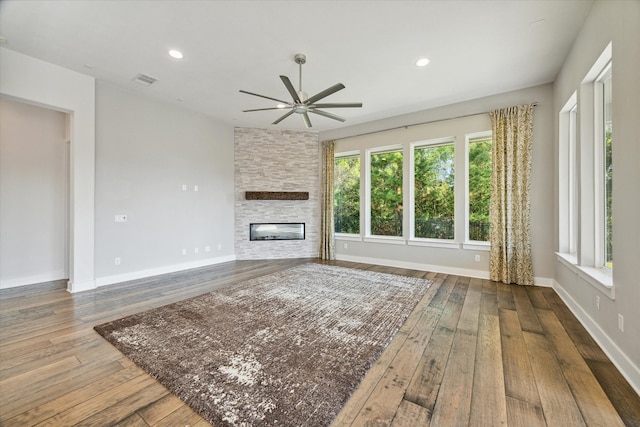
(510, 260)
(327, 245)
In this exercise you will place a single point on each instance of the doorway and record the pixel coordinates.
(34, 194)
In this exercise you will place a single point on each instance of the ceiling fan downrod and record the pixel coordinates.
(300, 59)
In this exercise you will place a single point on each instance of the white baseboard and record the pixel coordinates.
(74, 287)
(480, 274)
(545, 282)
(141, 274)
(32, 280)
(626, 366)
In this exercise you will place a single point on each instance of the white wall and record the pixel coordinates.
(439, 124)
(616, 22)
(145, 152)
(45, 84)
(33, 194)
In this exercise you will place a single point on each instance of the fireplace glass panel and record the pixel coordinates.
(276, 231)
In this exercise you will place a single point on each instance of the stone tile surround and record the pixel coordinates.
(276, 160)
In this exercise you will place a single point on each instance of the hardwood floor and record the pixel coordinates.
(473, 352)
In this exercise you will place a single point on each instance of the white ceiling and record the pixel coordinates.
(477, 48)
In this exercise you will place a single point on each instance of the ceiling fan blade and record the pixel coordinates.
(325, 93)
(338, 105)
(290, 88)
(305, 118)
(282, 118)
(267, 97)
(261, 109)
(329, 115)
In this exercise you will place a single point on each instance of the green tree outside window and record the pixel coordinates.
(386, 193)
(434, 192)
(346, 196)
(479, 188)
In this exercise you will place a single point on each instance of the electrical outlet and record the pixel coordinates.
(184, 252)
(116, 261)
(195, 188)
(207, 248)
(477, 258)
(219, 246)
(121, 218)
(195, 251)
(345, 246)
(620, 322)
(184, 187)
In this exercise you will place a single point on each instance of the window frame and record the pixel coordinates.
(600, 258)
(468, 138)
(568, 199)
(573, 180)
(351, 236)
(430, 143)
(368, 236)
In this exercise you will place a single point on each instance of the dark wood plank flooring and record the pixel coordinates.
(472, 353)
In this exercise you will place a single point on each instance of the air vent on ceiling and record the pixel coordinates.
(144, 79)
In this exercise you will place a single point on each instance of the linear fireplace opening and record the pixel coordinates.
(276, 231)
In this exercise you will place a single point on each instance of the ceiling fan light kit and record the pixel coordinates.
(301, 102)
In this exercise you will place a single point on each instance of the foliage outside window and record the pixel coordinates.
(608, 168)
(434, 191)
(346, 209)
(479, 188)
(386, 193)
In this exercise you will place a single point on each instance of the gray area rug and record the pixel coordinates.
(285, 349)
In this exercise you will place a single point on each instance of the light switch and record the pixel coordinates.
(121, 218)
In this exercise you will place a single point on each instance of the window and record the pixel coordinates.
(385, 193)
(605, 142)
(433, 191)
(346, 208)
(595, 250)
(568, 175)
(573, 181)
(479, 186)
(585, 170)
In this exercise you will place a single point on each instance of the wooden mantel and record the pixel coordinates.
(277, 195)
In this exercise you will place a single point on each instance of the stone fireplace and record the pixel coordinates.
(276, 162)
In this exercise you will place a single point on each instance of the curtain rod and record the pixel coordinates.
(534, 104)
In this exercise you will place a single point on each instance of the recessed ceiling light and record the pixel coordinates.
(176, 54)
(422, 62)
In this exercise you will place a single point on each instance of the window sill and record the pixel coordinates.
(599, 278)
(430, 243)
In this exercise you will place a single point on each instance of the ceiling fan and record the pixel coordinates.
(303, 104)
